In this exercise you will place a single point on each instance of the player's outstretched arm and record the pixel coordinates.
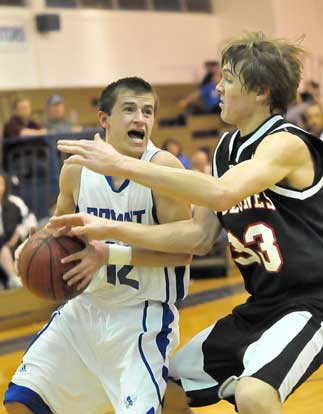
(180, 239)
(194, 236)
(276, 158)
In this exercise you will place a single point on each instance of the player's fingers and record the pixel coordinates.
(16, 267)
(91, 232)
(82, 231)
(61, 231)
(85, 282)
(32, 231)
(80, 143)
(76, 159)
(79, 268)
(19, 248)
(79, 146)
(66, 220)
(77, 278)
(71, 149)
(74, 257)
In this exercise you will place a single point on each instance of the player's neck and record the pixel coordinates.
(117, 182)
(250, 124)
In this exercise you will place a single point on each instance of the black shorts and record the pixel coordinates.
(283, 353)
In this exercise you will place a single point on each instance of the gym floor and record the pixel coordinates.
(209, 299)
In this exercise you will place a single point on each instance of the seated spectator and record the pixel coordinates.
(206, 98)
(309, 95)
(210, 66)
(295, 112)
(174, 147)
(313, 120)
(20, 124)
(313, 88)
(56, 121)
(10, 217)
(200, 161)
(23, 228)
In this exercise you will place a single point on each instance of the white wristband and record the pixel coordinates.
(120, 255)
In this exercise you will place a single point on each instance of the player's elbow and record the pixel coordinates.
(203, 243)
(221, 200)
(202, 248)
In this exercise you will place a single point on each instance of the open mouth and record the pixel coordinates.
(136, 134)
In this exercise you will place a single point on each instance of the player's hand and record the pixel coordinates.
(94, 256)
(19, 249)
(58, 231)
(84, 225)
(96, 155)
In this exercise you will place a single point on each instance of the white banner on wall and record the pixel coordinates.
(13, 35)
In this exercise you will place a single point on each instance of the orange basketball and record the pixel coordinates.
(40, 267)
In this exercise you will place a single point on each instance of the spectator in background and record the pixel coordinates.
(313, 88)
(56, 121)
(23, 227)
(209, 95)
(10, 218)
(210, 66)
(174, 147)
(313, 120)
(205, 99)
(309, 95)
(201, 161)
(295, 112)
(20, 124)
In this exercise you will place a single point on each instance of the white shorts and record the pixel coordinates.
(91, 361)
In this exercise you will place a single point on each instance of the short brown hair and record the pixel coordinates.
(110, 93)
(273, 65)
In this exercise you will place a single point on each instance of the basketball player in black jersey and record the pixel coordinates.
(266, 191)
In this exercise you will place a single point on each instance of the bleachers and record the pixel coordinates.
(37, 163)
(19, 307)
(199, 131)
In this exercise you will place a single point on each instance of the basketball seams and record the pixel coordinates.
(74, 239)
(41, 269)
(44, 241)
(65, 249)
(52, 284)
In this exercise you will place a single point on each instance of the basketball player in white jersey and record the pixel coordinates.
(108, 348)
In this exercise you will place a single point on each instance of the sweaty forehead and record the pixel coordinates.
(142, 99)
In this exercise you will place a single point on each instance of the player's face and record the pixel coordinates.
(237, 104)
(131, 121)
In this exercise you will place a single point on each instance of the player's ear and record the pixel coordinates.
(104, 119)
(263, 96)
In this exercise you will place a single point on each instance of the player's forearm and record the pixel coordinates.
(189, 186)
(178, 237)
(143, 257)
(125, 255)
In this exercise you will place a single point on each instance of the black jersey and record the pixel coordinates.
(276, 237)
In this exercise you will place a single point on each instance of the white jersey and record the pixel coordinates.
(114, 285)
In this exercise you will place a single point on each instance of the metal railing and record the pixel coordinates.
(36, 163)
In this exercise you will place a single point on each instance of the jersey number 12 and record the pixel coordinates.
(121, 274)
